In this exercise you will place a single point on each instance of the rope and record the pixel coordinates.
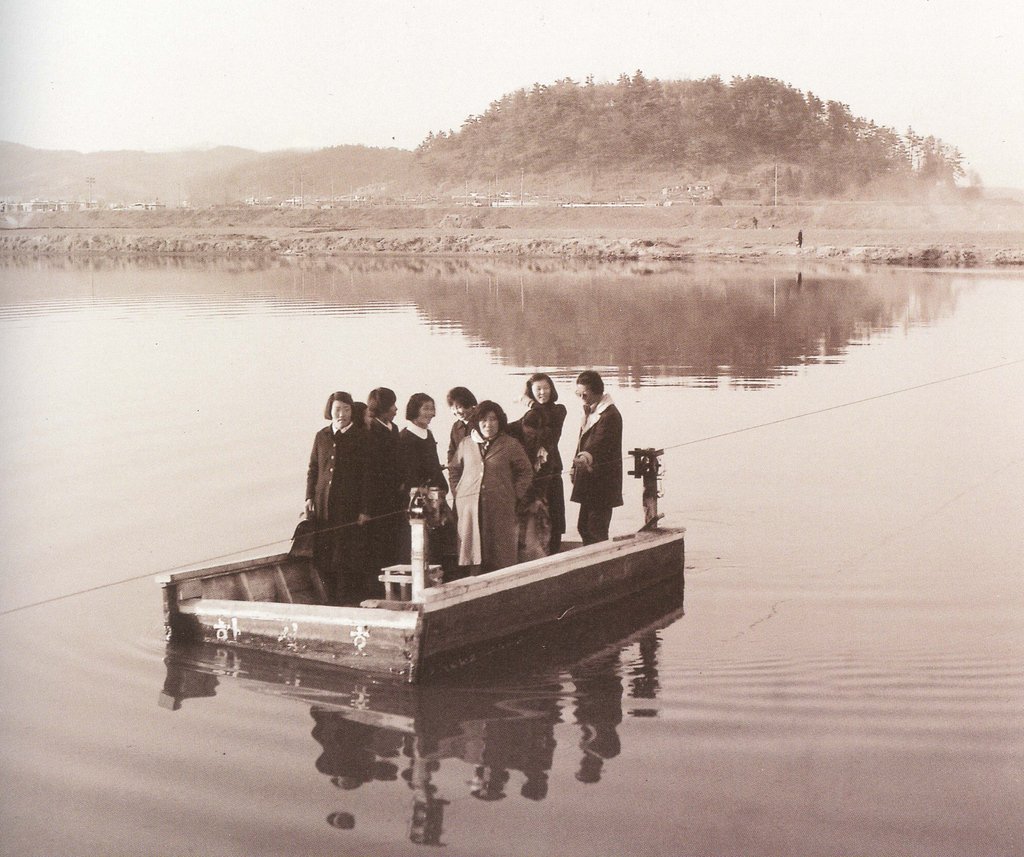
(686, 443)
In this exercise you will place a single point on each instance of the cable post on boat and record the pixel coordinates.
(647, 466)
(418, 554)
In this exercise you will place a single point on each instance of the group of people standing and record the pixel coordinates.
(506, 480)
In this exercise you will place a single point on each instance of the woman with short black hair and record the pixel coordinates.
(461, 401)
(385, 530)
(490, 475)
(422, 467)
(541, 435)
(338, 491)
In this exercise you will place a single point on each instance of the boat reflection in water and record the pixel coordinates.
(497, 720)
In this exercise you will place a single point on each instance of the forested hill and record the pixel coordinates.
(698, 129)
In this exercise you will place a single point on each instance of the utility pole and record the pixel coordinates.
(776, 184)
(90, 181)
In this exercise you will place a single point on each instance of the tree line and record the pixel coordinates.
(696, 128)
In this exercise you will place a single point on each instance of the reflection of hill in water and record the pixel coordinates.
(639, 323)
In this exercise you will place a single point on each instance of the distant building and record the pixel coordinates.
(694, 193)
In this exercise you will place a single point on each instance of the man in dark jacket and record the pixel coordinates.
(597, 466)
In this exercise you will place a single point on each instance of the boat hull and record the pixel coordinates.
(464, 622)
(453, 625)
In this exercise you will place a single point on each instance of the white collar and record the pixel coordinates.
(421, 433)
(604, 404)
(590, 421)
(342, 430)
(384, 423)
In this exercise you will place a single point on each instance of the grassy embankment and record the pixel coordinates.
(975, 235)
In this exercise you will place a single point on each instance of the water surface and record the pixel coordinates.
(843, 446)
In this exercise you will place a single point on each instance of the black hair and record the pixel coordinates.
(461, 396)
(591, 380)
(416, 402)
(540, 376)
(488, 407)
(339, 396)
(380, 399)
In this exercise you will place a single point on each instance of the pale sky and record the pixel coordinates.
(90, 75)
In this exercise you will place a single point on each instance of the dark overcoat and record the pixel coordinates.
(420, 462)
(388, 469)
(338, 479)
(547, 475)
(602, 438)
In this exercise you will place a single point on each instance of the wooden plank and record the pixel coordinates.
(283, 592)
(319, 613)
(495, 612)
(243, 581)
(375, 640)
(221, 586)
(440, 598)
(318, 584)
(229, 568)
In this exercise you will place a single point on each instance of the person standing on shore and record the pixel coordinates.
(597, 466)
(800, 239)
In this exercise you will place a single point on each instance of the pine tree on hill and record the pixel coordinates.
(688, 127)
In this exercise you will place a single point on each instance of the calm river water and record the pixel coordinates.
(845, 448)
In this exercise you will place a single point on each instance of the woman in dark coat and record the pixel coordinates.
(490, 476)
(388, 503)
(421, 465)
(422, 469)
(338, 491)
(548, 419)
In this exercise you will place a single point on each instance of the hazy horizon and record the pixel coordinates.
(268, 76)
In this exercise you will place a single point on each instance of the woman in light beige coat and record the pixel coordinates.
(490, 474)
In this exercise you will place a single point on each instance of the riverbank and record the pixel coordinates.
(983, 235)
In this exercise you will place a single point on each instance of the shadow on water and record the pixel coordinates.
(495, 722)
(699, 323)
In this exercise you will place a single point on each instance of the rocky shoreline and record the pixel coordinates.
(469, 242)
(990, 236)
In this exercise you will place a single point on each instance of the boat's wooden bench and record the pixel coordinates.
(397, 580)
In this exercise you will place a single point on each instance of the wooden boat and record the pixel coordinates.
(278, 603)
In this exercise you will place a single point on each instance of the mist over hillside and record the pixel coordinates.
(219, 176)
(752, 139)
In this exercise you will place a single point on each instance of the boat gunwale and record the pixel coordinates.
(434, 598)
(543, 568)
(325, 614)
(209, 571)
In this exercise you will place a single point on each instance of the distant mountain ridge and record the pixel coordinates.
(752, 138)
(221, 175)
